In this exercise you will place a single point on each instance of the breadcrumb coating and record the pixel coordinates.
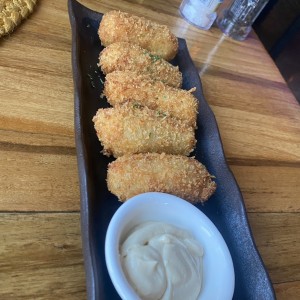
(129, 129)
(182, 176)
(123, 86)
(117, 26)
(122, 56)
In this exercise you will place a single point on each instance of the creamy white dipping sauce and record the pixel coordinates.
(162, 261)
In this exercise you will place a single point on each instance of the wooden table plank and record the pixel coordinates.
(46, 109)
(277, 238)
(269, 188)
(253, 136)
(41, 257)
(288, 290)
(265, 188)
(36, 139)
(54, 263)
(253, 92)
(38, 179)
(39, 55)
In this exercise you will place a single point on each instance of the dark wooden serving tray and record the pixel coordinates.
(225, 208)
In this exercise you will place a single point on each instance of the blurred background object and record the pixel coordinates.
(200, 13)
(278, 27)
(237, 19)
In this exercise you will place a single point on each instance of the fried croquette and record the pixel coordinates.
(123, 86)
(117, 26)
(123, 56)
(182, 176)
(129, 129)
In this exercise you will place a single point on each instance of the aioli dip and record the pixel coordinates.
(162, 261)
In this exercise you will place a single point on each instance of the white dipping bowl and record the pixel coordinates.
(218, 273)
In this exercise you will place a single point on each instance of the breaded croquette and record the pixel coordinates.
(123, 86)
(117, 26)
(182, 176)
(129, 129)
(123, 56)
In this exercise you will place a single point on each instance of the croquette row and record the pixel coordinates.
(151, 128)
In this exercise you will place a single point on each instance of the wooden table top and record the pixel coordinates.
(258, 118)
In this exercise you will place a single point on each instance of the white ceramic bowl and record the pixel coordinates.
(218, 272)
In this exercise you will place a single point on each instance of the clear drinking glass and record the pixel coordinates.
(236, 21)
(201, 13)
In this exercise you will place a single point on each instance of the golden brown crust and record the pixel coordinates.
(129, 129)
(123, 86)
(182, 176)
(117, 26)
(123, 56)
